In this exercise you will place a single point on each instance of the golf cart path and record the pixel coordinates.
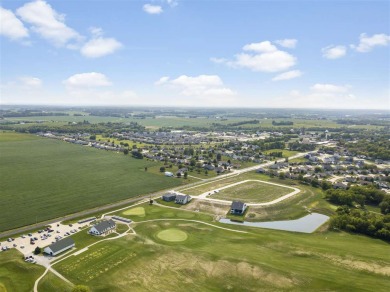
(189, 220)
(204, 195)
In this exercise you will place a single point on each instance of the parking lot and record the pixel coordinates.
(42, 239)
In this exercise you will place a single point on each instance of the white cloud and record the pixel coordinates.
(262, 57)
(321, 95)
(367, 43)
(287, 43)
(85, 80)
(152, 9)
(172, 3)
(32, 82)
(334, 52)
(47, 23)
(162, 80)
(11, 26)
(329, 88)
(99, 47)
(287, 75)
(263, 47)
(202, 85)
(218, 60)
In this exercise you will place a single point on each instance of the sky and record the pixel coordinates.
(214, 53)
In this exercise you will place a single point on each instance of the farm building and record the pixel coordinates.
(237, 208)
(182, 199)
(103, 228)
(169, 197)
(59, 246)
(167, 173)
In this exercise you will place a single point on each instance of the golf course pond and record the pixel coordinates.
(306, 224)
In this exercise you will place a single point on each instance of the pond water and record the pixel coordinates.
(306, 224)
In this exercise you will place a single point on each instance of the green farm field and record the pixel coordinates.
(43, 179)
(183, 255)
(252, 192)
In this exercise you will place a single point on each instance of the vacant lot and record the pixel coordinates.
(252, 192)
(43, 179)
(212, 259)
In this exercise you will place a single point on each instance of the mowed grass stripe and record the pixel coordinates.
(42, 179)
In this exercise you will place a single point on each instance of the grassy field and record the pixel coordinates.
(16, 274)
(43, 179)
(190, 256)
(285, 153)
(252, 192)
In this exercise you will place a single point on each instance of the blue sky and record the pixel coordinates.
(298, 54)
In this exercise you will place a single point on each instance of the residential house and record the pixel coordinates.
(182, 199)
(238, 208)
(169, 197)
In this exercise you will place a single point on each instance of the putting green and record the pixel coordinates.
(172, 235)
(138, 211)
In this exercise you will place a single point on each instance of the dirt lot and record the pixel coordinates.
(214, 208)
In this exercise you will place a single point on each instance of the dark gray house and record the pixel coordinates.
(238, 208)
(169, 197)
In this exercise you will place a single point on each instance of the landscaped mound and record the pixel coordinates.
(172, 235)
(138, 211)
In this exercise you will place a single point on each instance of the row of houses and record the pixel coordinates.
(177, 198)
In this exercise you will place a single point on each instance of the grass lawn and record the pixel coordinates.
(211, 259)
(285, 153)
(15, 273)
(252, 192)
(44, 178)
(157, 212)
(51, 282)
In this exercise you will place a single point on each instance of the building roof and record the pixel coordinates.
(181, 197)
(61, 244)
(169, 195)
(237, 205)
(104, 225)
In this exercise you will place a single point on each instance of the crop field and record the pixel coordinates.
(43, 179)
(190, 256)
(252, 192)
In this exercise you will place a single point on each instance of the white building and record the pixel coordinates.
(182, 199)
(103, 228)
(59, 246)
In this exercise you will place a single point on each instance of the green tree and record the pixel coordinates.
(37, 250)
(162, 169)
(185, 175)
(219, 156)
(126, 151)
